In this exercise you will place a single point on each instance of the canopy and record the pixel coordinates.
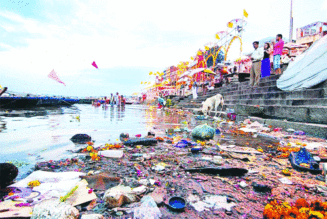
(194, 71)
(185, 74)
(307, 70)
(209, 71)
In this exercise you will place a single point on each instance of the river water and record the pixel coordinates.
(28, 137)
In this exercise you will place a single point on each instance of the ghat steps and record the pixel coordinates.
(306, 109)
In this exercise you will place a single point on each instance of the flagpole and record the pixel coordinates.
(291, 22)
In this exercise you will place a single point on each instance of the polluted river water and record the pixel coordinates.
(31, 136)
(28, 137)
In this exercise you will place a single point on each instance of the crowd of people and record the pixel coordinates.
(118, 100)
(261, 67)
(261, 59)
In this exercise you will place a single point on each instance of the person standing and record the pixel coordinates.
(256, 58)
(265, 64)
(123, 100)
(112, 99)
(278, 50)
(117, 98)
(194, 90)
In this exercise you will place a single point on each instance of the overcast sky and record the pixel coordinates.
(127, 39)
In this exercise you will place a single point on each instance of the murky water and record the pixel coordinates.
(42, 135)
(27, 137)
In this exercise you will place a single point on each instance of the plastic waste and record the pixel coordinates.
(218, 159)
(148, 209)
(277, 129)
(243, 184)
(214, 201)
(177, 203)
(203, 132)
(112, 153)
(285, 181)
(200, 117)
(299, 133)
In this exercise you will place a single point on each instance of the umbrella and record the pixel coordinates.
(209, 71)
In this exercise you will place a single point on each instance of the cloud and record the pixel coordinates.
(129, 37)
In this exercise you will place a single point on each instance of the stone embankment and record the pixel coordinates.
(303, 109)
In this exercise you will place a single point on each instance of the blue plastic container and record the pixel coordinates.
(177, 203)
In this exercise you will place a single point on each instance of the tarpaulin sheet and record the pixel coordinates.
(307, 70)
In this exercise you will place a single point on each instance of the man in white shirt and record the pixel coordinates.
(256, 58)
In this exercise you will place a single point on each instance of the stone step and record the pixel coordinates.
(312, 93)
(252, 90)
(290, 102)
(303, 94)
(239, 87)
(311, 114)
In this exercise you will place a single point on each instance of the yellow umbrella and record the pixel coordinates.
(209, 71)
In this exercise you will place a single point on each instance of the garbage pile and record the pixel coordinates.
(192, 168)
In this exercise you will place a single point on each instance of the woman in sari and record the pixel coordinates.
(265, 63)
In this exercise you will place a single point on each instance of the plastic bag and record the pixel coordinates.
(148, 209)
(203, 132)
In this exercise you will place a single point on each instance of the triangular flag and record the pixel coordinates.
(53, 75)
(141, 82)
(245, 13)
(1, 87)
(151, 73)
(217, 37)
(230, 25)
(95, 65)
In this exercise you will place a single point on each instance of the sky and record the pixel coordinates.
(127, 39)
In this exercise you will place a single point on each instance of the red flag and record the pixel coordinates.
(95, 65)
(53, 75)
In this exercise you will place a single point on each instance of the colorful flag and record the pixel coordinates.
(217, 37)
(1, 87)
(206, 48)
(245, 13)
(53, 75)
(230, 25)
(95, 65)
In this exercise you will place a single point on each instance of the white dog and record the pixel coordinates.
(212, 103)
